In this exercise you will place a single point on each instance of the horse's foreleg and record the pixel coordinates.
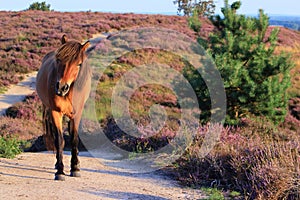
(73, 128)
(59, 144)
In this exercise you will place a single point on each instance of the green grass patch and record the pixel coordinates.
(3, 90)
(213, 194)
(9, 147)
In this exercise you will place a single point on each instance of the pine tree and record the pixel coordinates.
(255, 78)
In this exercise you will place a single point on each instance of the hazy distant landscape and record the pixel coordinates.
(292, 22)
(288, 21)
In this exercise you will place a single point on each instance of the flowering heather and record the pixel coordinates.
(23, 119)
(26, 36)
(30, 109)
(20, 128)
(256, 159)
(147, 139)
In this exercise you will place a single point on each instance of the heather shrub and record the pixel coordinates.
(148, 140)
(258, 160)
(28, 35)
(23, 119)
(294, 107)
(21, 128)
(30, 109)
(269, 171)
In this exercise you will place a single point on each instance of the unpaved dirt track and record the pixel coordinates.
(17, 93)
(30, 176)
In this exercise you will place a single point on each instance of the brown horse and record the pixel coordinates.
(63, 84)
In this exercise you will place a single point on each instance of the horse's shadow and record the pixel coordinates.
(22, 176)
(123, 195)
(23, 167)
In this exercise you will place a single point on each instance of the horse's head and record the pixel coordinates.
(69, 58)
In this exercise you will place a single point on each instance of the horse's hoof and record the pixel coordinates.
(75, 174)
(59, 177)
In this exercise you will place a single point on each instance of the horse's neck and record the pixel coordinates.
(83, 77)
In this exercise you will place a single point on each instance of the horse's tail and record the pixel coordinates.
(48, 133)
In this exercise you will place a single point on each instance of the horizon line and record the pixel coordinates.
(159, 13)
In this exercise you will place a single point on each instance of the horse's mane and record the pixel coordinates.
(69, 52)
(84, 73)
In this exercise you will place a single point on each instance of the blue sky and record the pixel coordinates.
(287, 7)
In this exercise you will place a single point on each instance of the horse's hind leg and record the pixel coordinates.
(48, 135)
(59, 144)
(73, 128)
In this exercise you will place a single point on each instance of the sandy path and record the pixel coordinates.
(30, 176)
(17, 93)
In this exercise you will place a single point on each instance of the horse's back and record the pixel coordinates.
(43, 76)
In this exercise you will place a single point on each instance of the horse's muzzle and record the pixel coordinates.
(62, 89)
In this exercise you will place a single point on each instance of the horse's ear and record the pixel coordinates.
(64, 39)
(85, 45)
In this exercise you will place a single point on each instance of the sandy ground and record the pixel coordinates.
(17, 93)
(30, 176)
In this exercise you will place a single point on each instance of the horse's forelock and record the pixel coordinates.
(69, 52)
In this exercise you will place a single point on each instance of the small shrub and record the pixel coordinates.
(257, 160)
(9, 147)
